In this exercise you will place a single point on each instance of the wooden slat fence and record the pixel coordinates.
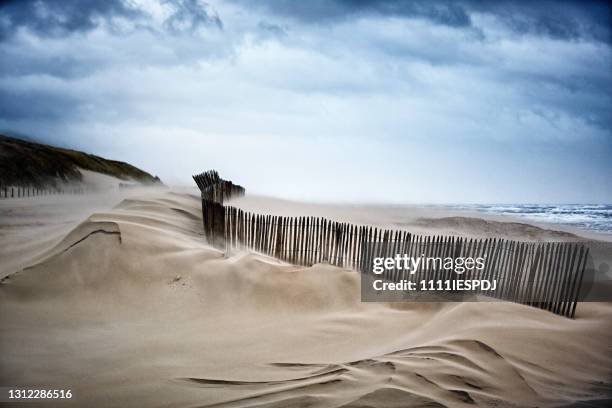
(29, 191)
(546, 275)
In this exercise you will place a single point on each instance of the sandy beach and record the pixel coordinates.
(305, 204)
(119, 298)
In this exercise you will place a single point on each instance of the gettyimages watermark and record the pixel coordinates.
(532, 273)
(402, 264)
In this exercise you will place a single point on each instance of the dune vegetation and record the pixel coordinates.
(25, 163)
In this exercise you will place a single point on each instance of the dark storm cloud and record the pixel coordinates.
(56, 18)
(189, 15)
(318, 11)
(59, 17)
(561, 19)
(567, 20)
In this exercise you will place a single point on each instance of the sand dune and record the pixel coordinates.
(128, 306)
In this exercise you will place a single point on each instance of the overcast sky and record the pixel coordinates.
(387, 101)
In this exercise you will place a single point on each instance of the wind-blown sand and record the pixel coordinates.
(131, 307)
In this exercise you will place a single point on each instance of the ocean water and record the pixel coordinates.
(591, 217)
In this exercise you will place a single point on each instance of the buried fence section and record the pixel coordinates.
(539, 274)
(546, 275)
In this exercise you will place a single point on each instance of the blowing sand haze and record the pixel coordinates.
(131, 306)
(322, 204)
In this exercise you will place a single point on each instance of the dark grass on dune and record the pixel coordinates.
(26, 163)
